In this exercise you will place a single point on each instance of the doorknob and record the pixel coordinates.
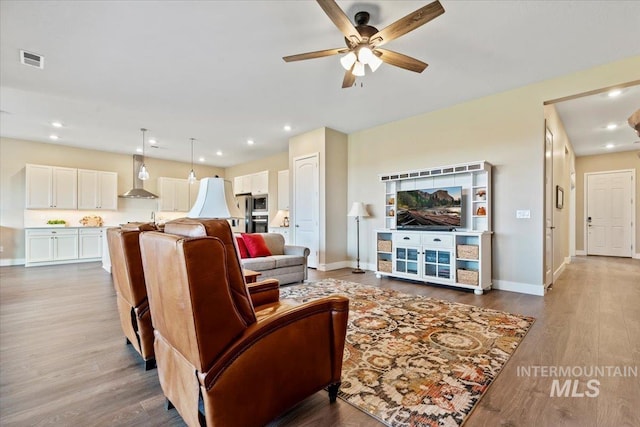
(297, 225)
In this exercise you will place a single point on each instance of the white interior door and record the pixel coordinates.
(610, 208)
(306, 202)
(548, 209)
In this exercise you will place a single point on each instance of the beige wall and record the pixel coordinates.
(332, 149)
(336, 208)
(507, 130)
(602, 163)
(14, 154)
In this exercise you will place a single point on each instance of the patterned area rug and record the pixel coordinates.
(410, 360)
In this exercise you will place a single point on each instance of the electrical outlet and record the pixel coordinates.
(1, 248)
(523, 214)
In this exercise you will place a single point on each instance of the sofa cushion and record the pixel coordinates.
(288, 260)
(259, 264)
(244, 253)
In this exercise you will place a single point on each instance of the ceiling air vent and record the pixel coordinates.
(31, 59)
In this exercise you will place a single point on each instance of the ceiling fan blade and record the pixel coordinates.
(349, 78)
(316, 54)
(408, 23)
(340, 20)
(402, 61)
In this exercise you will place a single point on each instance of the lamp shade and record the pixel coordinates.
(278, 220)
(358, 209)
(214, 200)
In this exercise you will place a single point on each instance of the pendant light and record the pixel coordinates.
(142, 173)
(192, 175)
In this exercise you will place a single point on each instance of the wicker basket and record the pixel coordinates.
(384, 245)
(385, 266)
(468, 277)
(468, 251)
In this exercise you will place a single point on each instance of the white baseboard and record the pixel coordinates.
(567, 260)
(636, 256)
(6, 262)
(523, 288)
(335, 265)
(581, 252)
(559, 270)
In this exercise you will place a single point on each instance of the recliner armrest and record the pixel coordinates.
(296, 250)
(337, 306)
(264, 292)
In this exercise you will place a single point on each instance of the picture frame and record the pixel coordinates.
(559, 197)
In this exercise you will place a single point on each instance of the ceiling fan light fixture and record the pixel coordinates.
(358, 69)
(348, 60)
(365, 54)
(374, 63)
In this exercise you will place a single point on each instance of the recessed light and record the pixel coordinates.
(153, 141)
(201, 159)
(250, 141)
(287, 128)
(612, 126)
(56, 124)
(218, 153)
(614, 93)
(609, 146)
(138, 150)
(54, 137)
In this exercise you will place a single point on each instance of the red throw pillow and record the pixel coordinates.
(244, 253)
(256, 245)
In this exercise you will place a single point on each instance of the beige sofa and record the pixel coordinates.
(287, 263)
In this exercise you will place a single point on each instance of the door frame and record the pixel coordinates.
(632, 216)
(548, 223)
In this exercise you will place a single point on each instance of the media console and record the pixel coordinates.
(457, 258)
(461, 257)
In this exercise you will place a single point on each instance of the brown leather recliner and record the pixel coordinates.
(229, 355)
(131, 293)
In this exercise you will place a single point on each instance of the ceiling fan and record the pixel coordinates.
(364, 41)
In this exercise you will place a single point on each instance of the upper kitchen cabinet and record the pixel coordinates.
(242, 184)
(51, 187)
(283, 190)
(97, 190)
(256, 183)
(260, 183)
(174, 195)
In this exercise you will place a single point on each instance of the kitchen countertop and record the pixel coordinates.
(68, 226)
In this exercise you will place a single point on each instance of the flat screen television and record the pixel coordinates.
(429, 208)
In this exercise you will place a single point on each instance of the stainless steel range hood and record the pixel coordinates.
(138, 191)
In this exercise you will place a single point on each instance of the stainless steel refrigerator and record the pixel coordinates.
(256, 214)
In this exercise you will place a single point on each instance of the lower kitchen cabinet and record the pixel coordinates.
(46, 246)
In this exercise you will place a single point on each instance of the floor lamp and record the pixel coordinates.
(358, 210)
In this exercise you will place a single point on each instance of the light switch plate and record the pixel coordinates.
(523, 213)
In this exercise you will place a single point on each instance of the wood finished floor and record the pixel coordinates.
(63, 360)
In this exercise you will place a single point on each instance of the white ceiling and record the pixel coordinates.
(586, 119)
(213, 70)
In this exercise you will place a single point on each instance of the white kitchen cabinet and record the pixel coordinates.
(242, 184)
(97, 190)
(255, 183)
(174, 195)
(283, 190)
(260, 183)
(51, 187)
(51, 245)
(90, 243)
